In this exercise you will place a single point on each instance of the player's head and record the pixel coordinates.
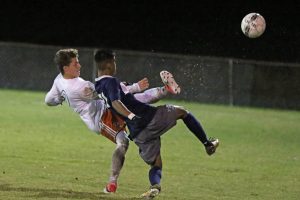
(68, 63)
(106, 61)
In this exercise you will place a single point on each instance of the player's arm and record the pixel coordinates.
(54, 97)
(113, 89)
(122, 109)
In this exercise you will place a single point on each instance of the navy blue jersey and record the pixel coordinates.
(109, 89)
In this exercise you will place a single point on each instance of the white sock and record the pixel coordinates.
(151, 95)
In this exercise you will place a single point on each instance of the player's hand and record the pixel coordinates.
(143, 84)
(89, 93)
(136, 118)
(61, 99)
(135, 121)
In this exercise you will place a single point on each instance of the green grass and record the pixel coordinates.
(48, 153)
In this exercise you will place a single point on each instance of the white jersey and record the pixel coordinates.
(74, 92)
(86, 103)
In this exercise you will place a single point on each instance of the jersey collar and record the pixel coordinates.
(101, 77)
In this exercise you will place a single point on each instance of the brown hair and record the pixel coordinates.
(63, 58)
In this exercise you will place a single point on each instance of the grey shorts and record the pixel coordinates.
(148, 140)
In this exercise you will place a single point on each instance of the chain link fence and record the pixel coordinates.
(203, 79)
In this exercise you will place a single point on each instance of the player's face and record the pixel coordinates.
(73, 69)
(113, 65)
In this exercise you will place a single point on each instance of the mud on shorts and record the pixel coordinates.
(148, 140)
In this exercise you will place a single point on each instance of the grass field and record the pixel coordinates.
(48, 153)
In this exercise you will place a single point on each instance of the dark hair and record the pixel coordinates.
(63, 58)
(103, 55)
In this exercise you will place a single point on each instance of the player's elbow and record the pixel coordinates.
(49, 102)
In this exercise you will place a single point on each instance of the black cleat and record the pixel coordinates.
(211, 146)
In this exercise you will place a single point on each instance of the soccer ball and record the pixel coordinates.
(253, 25)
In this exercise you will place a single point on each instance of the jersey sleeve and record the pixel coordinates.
(54, 97)
(113, 89)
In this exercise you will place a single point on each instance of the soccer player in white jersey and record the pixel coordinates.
(83, 99)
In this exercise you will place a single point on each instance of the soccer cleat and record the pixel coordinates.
(170, 83)
(153, 192)
(110, 188)
(211, 146)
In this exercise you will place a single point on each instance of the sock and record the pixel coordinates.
(151, 95)
(163, 91)
(195, 127)
(155, 175)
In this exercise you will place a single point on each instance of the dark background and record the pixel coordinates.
(208, 28)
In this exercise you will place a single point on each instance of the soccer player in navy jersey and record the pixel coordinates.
(145, 122)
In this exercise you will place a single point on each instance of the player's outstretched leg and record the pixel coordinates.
(170, 83)
(212, 146)
(195, 127)
(153, 95)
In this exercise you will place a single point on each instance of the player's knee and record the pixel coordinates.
(122, 140)
(181, 112)
(154, 161)
(123, 144)
(149, 160)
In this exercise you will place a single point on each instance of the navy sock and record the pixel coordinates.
(194, 125)
(155, 175)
